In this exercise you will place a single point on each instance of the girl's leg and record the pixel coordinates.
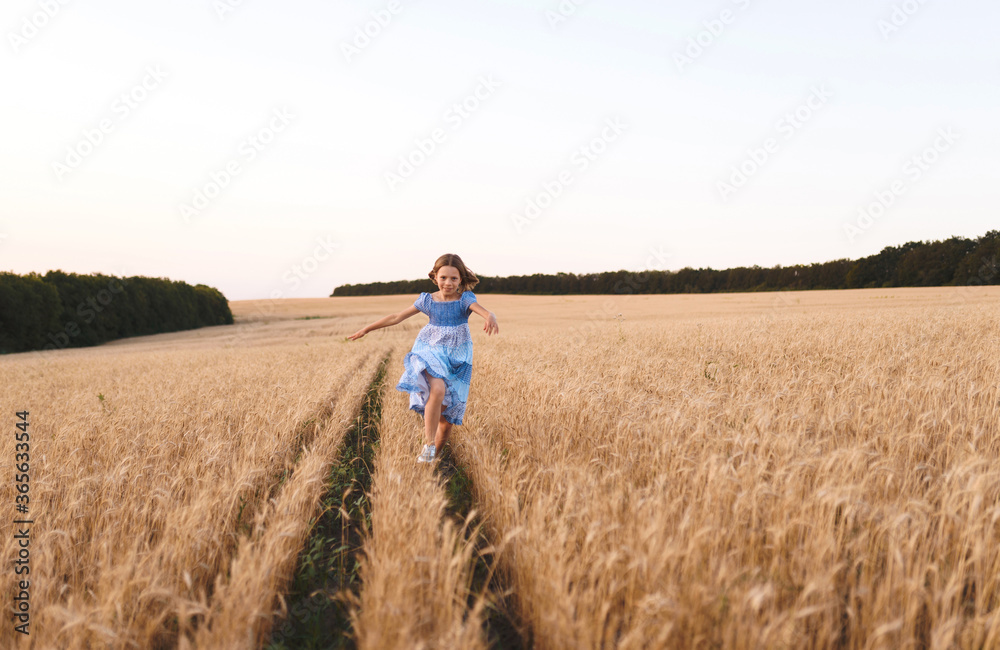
(432, 410)
(443, 431)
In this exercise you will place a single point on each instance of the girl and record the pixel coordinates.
(438, 369)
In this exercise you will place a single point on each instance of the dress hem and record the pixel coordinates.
(407, 387)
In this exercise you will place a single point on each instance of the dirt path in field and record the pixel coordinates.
(326, 579)
(501, 625)
(382, 524)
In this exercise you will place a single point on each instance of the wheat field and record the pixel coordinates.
(808, 482)
(417, 570)
(793, 470)
(153, 474)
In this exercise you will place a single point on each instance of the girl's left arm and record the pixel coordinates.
(491, 326)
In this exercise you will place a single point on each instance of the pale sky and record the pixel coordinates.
(282, 127)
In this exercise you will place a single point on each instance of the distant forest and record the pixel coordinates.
(955, 261)
(66, 310)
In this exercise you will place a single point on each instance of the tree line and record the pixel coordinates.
(66, 310)
(955, 261)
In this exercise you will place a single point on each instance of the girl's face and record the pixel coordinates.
(448, 279)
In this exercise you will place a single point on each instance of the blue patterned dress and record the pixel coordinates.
(444, 349)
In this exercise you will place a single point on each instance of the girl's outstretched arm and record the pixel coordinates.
(491, 326)
(387, 321)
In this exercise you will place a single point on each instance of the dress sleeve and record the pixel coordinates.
(419, 302)
(467, 299)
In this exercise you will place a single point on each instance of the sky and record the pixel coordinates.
(278, 150)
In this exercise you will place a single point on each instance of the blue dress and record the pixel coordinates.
(444, 349)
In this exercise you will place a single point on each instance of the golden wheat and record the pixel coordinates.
(150, 468)
(798, 470)
(417, 568)
(242, 613)
(802, 480)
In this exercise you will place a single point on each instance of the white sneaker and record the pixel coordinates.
(427, 455)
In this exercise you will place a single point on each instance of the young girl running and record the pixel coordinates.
(438, 369)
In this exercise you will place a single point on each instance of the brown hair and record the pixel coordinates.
(468, 278)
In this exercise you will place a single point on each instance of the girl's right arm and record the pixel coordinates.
(387, 321)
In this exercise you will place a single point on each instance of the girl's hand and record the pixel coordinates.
(491, 326)
(361, 332)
